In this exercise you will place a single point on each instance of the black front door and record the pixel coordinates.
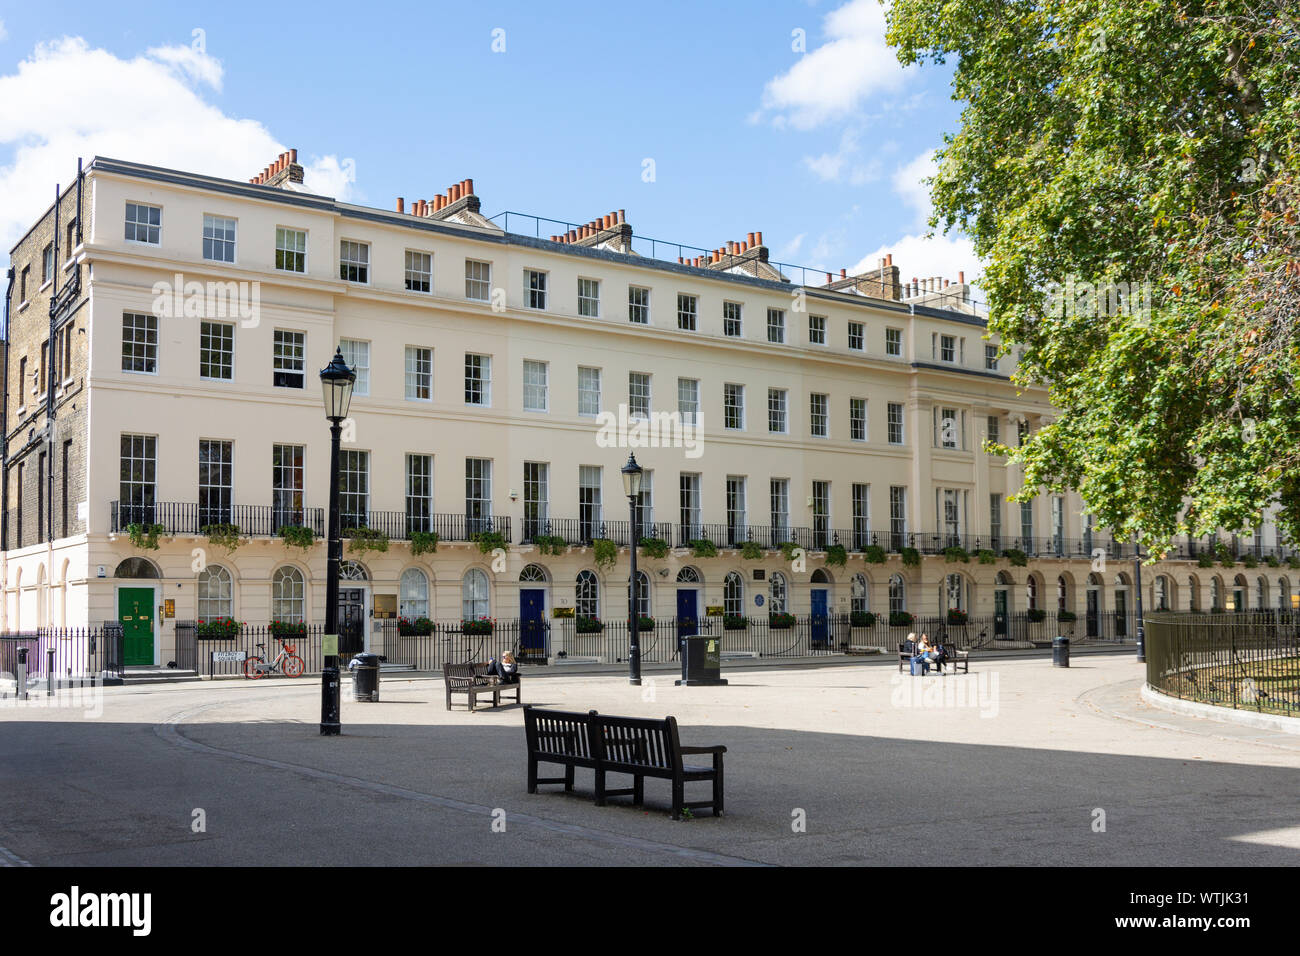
(1091, 614)
(352, 622)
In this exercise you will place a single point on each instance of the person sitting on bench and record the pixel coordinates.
(922, 656)
(505, 671)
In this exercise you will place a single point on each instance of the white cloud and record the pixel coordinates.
(834, 79)
(920, 257)
(844, 164)
(150, 109)
(4, 34)
(907, 181)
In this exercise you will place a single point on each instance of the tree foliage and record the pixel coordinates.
(1147, 144)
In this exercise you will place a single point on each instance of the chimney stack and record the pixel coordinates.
(401, 204)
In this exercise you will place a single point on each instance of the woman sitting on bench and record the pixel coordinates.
(927, 654)
(505, 671)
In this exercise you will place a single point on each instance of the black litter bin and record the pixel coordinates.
(365, 676)
(701, 661)
(1061, 652)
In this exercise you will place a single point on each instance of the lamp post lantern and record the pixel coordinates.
(337, 381)
(632, 474)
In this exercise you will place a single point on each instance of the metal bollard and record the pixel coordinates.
(1061, 651)
(49, 672)
(329, 703)
(22, 674)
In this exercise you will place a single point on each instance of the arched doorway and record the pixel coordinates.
(819, 603)
(688, 601)
(1002, 587)
(137, 604)
(1092, 606)
(1121, 605)
(533, 581)
(354, 589)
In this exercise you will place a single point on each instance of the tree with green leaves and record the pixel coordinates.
(1128, 172)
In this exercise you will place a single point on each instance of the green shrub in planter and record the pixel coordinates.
(366, 539)
(418, 627)
(550, 544)
(605, 552)
(221, 628)
(788, 548)
(987, 556)
(862, 619)
(956, 554)
(836, 556)
(1205, 560)
(751, 551)
(1066, 616)
(222, 535)
(900, 619)
(1036, 614)
(481, 625)
(287, 629)
(589, 625)
(780, 620)
(1017, 557)
(956, 616)
(1226, 558)
(1250, 561)
(1272, 561)
(488, 541)
(297, 536)
(645, 623)
(145, 536)
(911, 557)
(874, 554)
(1293, 563)
(704, 548)
(424, 542)
(734, 622)
(654, 547)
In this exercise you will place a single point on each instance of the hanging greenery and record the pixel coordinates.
(751, 551)
(875, 554)
(911, 557)
(222, 536)
(297, 536)
(366, 539)
(836, 555)
(956, 553)
(654, 547)
(488, 541)
(605, 552)
(550, 544)
(1017, 557)
(145, 535)
(424, 542)
(704, 548)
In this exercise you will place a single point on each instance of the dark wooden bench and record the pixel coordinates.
(637, 746)
(956, 658)
(472, 681)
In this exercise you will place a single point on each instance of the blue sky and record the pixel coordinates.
(819, 148)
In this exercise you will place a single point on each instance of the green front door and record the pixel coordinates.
(135, 611)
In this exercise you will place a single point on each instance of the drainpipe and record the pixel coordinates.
(4, 462)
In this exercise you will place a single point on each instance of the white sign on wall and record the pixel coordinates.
(228, 657)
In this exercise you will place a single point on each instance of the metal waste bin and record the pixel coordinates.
(701, 661)
(365, 676)
(1060, 652)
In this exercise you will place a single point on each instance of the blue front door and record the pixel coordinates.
(532, 623)
(820, 629)
(686, 613)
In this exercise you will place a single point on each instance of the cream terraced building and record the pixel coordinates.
(163, 340)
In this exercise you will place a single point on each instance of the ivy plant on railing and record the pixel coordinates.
(987, 556)
(424, 542)
(654, 547)
(788, 548)
(604, 552)
(1272, 561)
(1293, 562)
(222, 535)
(550, 544)
(145, 536)
(874, 554)
(862, 619)
(1226, 558)
(751, 551)
(366, 539)
(836, 555)
(1017, 557)
(956, 553)
(704, 548)
(911, 557)
(297, 536)
(488, 541)
(1205, 560)
(1250, 561)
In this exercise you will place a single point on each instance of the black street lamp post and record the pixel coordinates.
(632, 473)
(1137, 578)
(337, 381)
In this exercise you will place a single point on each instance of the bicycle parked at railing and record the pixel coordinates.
(287, 662)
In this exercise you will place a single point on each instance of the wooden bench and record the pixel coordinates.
(472, 681)
(637, 746)
(956, 658)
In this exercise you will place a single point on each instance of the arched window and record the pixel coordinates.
(215, 593)
(1193, 592)
(1216, 596)
(586, 595)
(1062, 592)
(352, 571)
(474, 595)
(136, 568)
(897, 594)
(819, 576)
(777, 600)
(287, 595)
(1283, 594)
(1261, 594)
(642, 593)
(415, 594)
(858, 597)
(1162, 593)
(532, 574)
(955, 593)
(1031, 593)
(688, 575)
(733, 594)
